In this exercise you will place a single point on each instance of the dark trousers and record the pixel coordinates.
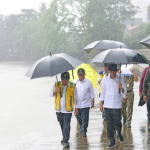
(83, 118)
(148, 109)
(64, 120)
(113, 117)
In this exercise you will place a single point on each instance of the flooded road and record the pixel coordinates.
(28, 120)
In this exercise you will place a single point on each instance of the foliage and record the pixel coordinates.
(65, 26)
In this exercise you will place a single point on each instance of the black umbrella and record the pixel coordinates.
(125, 56)
(104, 45)
(146, 41)
(52, 65)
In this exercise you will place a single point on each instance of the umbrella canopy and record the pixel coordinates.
(146, 41)
(124, 56)
(91, 74)
(104, 45)
(52, 65)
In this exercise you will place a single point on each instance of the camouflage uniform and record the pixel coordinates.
(129, 80)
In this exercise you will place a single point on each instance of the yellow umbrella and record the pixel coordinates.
(91, 74)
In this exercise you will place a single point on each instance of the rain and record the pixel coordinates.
(41, 39)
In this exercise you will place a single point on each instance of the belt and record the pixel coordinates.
(129, 91)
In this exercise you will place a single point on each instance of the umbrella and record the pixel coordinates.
(125, 56)
(104, 45)
(146, 41)
(91, 74)
(52, 65)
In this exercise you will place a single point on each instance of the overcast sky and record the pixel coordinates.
(8, 7)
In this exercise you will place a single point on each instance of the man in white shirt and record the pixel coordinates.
(64, 104)
(113, 103)
(85, 97)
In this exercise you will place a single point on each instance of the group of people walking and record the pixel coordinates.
(116, 99)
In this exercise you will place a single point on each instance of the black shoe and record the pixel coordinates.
(66, 145)
(84, 134)
(111, 146)
(62, 142)
(124, 120)
(121, 139)
(128, 125)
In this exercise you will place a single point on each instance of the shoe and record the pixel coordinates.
(121, 139)
(62, 142)
(124, 120)
(66, 145)
(128, 125)
(111, 146)
(84, 134)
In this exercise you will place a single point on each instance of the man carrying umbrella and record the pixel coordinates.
(100, 77)
(64, 104)
(85, 97)
(112, 103)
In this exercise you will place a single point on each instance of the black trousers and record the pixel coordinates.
(113, 117)
(64, 120)
(148, 108)
(83, 118)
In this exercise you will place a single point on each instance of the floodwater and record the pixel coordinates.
(28, 120)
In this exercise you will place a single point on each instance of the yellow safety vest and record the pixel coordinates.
(101, 75)
(69, 96)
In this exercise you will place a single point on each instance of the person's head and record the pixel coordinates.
(112, 70)
(81, 74)
(65, 78)
(106, 67)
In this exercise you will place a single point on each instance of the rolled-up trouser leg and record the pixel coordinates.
(85, 118)
(110, 125)
(66, 126)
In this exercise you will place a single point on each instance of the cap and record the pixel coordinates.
(105, 64)
(112, 67)
(81, 71)
(65, 76)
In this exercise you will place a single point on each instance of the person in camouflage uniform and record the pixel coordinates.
(146, 87)
(127, 107)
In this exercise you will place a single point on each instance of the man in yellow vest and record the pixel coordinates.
(100, 77)
(64, 101)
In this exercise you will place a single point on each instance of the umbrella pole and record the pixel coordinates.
(72, 74)
(56, 78)
(57, 81)
(120, 78)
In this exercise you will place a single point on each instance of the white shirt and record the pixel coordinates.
(63, 99)
(110, 92)
(84, 93)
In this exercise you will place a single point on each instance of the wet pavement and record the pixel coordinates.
(28, 120)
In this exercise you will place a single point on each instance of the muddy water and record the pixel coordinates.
(28, 120)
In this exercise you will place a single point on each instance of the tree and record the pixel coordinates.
(148, 12)
(42, 7)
